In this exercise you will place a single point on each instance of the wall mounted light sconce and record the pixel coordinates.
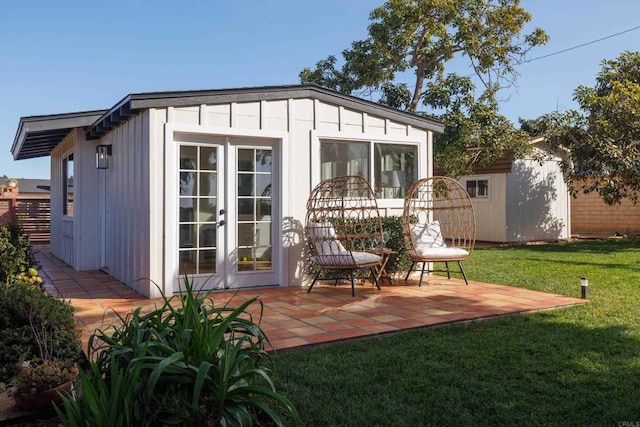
(103, 152)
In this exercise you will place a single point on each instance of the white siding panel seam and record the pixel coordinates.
(387, 126)
(341, 118)
(263, 114)
(234, 114)
(316, 111)
(203, 114)
(365, 118)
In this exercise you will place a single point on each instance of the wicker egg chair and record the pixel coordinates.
(438, 224)
(344, 228)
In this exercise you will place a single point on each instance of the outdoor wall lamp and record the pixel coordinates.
(103, 152)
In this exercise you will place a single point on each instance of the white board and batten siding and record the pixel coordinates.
(75, 237)
(130, 184)
(298, 123)
(120, 215)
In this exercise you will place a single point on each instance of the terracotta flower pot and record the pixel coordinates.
(43, 399)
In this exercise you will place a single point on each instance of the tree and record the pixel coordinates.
(605, 140)
(421, 37)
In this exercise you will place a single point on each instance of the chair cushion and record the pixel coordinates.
(427, 235)
(325, 238)
(346, 258)
(441, 253)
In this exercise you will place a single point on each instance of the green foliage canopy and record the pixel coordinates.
(421, 37)
(604, 139)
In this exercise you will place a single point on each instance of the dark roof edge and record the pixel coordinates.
(134, 103)
(44, 123)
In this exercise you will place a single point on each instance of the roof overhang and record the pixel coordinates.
(38, 135)
(133, 104)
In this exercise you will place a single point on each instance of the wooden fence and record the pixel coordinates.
(33, 214)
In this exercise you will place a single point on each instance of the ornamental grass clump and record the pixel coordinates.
(192, 364)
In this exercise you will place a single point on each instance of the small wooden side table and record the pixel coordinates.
(381, 270)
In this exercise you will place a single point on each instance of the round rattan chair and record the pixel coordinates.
(344, 228)
(438, 224)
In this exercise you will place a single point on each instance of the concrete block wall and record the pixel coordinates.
(590, 216)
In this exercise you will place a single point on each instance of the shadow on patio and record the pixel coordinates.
(293, 318)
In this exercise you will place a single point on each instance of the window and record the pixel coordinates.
(478, 188)
(394, 165)
(67, 185)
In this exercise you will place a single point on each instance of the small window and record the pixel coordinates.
(67, 185)
(478, 188)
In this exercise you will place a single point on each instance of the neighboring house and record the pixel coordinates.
(34, 188)
(213, 184)
(28, 203)
(522, 200)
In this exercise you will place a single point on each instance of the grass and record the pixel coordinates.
(572, 366)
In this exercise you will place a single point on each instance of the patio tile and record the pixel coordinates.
(294, 318)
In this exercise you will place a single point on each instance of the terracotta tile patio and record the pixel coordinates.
(293, 318)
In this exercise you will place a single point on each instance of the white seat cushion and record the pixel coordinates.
(441, 253)
(347, 258)
(325, 238)
(428, 235)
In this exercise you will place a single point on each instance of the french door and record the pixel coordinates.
(228, 212)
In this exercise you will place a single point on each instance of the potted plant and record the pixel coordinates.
(40, 381)
(38, 384)
(12, 182)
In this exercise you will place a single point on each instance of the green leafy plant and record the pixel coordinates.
(33, 324)
(37, 375)
(400, 261)
(189, 364)
(15, 253)
(107, 400)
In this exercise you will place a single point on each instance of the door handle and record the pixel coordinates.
(221, 223)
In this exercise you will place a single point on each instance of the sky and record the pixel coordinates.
(68, 56)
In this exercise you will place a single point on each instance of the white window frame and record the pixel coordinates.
(65, 184)
(422, 162)
(477, 178)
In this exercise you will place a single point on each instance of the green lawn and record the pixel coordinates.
(575, 366)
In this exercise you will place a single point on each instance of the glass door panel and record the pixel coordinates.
(227, 213)
(198, 218)
(254, 198)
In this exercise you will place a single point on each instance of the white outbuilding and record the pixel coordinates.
(522, 200)
(213, 184)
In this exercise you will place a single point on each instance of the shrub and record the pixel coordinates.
(15, 253)
(21, 308)
(400, 261)
(194, 364)
(43, 375)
